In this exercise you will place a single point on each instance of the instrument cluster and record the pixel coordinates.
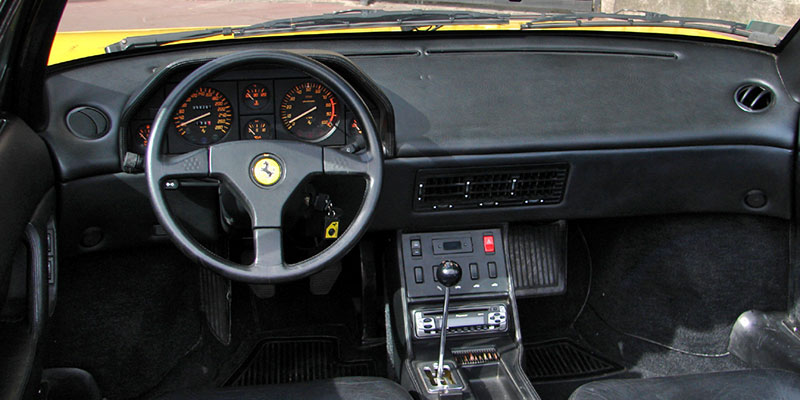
(249, 105)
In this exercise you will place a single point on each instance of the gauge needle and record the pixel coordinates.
(250, 96)
(182, 124)
(303, 114)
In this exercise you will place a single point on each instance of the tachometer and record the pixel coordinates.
(204, 117)
(310, 111)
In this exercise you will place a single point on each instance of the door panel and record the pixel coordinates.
(27, 246)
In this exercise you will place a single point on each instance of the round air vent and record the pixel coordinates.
(754, 98)
(87, 122)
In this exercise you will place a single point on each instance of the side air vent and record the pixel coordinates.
(448, 189)
(754, 98)
(87, 122)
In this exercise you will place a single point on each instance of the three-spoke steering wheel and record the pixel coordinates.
(263, 174)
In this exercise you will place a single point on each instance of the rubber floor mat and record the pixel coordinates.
(298, 360)
(563, 359)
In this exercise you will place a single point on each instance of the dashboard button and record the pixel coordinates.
(416, 248)
(492, 270)
(473, 272)
(488, 243)
(418, 277)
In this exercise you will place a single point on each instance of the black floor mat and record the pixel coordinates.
(127, 317)
(563, 359)
(680, 281)
(299, 360)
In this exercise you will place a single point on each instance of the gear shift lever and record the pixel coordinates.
(448, 274)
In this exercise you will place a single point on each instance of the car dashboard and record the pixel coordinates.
(477, 134)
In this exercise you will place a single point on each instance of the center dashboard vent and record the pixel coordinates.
(463, 188)
(753, 98)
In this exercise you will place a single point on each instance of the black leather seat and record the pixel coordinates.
(761, 384)
(356, 388)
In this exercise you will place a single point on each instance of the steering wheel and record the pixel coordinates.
(263, 174)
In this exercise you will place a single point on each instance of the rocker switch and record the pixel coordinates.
(416, 248)
(488, 244)
(473, 272)
(492, 270)
(418, 276)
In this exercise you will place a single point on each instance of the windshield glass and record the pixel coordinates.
(92, 27)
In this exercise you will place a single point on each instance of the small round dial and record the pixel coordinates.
(310, 112)
(353, 129)
(141, 137)
(255, 96)
(257, 129)
(205, 117)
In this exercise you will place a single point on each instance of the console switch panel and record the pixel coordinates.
(423, 252)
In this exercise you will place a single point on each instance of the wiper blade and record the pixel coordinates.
(337, 20)
(648, 18)
(374, 18)
(134, 42)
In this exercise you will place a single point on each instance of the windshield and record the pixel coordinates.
(91, 27)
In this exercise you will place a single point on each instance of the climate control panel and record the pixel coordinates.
(479, 253)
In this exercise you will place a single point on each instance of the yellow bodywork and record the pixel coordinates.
(69, 46)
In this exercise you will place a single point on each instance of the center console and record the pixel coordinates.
(483, 350)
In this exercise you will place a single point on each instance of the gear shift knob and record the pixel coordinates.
(448, 273)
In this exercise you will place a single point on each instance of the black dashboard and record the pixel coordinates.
(641, 126)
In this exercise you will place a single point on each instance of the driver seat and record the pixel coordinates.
(355, 388)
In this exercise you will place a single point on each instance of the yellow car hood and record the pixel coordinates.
(68, 46)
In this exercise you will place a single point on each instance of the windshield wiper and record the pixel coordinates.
(647, 18)
(341, 19)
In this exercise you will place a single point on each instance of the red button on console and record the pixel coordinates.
(488, 244)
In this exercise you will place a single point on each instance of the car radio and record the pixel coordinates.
(463, 320)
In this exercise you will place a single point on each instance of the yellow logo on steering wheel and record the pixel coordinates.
(266, 170)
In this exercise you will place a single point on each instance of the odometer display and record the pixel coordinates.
(204, 117)
(310, 112)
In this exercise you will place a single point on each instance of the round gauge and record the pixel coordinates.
(310, 112)
(141, 136)
(353, 129)
(205, 117)
(257, 129)
(255, 96)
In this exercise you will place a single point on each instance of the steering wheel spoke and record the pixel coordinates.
(268, 246)
(336, 162)
(193, 164)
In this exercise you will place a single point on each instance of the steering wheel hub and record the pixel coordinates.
(266, 170)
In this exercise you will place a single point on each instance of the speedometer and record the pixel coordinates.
(204, 117)
(310, 111)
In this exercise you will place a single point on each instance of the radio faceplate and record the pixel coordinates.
(480, 253)
(464, 320)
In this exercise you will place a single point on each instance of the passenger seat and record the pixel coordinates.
(761, 384)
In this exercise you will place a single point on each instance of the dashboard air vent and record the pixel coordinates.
(753, 98)
(460, 188)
